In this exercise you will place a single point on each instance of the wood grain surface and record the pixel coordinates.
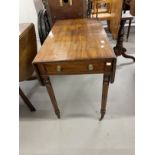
(27, 50)
(76, 39)
(66, 11)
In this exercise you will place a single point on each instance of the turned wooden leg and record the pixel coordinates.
(26, 100)
(105, 87)
(52, 96)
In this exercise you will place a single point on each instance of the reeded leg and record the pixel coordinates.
(105, 87)
(26, 100)
(52, 96)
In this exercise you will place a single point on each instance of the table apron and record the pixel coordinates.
(65, 68)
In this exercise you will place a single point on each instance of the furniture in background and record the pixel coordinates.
(44, 22)
(126, 5)
(27, 52)
(72, 9)
(132, 7)
(119, 49)
(43, 25)
(67, 9)
(128, 17)
(76, 46)
(109, 10)
(49, 11)
(101, 9)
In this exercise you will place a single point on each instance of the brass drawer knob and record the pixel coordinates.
(90, 67)
(59, 68)
(108, 63)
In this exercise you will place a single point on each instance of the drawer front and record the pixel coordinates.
(76, 67)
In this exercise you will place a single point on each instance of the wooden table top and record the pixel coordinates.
(75, 39)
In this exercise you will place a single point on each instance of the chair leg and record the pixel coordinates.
(108, 24)
(26, 100)
(128, 29)
(96, 10)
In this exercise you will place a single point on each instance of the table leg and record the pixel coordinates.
(105, 87)
(52, 96)
(119, 49)
(26, 100)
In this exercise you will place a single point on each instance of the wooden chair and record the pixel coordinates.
(101, 9)
(109, 10)
(43, 20)
(27, 52)
(66, 9)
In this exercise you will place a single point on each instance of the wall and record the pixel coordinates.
(28, 14)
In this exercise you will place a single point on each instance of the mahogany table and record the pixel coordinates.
(76, 46)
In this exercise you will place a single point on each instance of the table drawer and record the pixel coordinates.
(77, 67)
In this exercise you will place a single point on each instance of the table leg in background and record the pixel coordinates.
(129, 29)
(26, 100)
(119, 49)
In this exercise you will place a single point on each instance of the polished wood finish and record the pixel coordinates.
(27, 52)
(77, 46)
(116, 11)
(72, 9)
(81, 66)
(77, 39)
